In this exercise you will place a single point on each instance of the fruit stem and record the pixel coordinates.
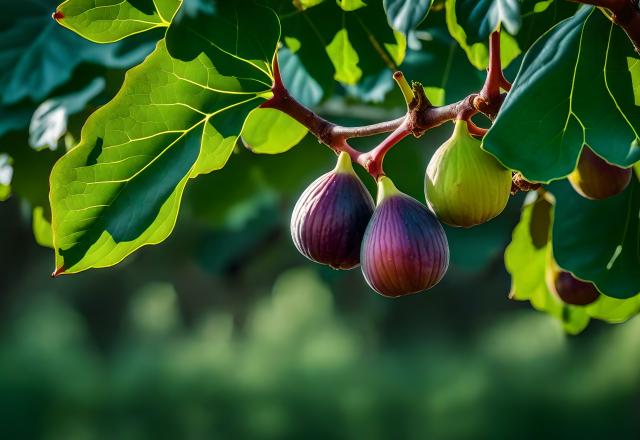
(386, 189)
(372, 161)
(405, 88)
(344, 164)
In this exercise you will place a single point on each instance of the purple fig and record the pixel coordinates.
(596, 179)
(404, 249)
(568, 288)
(330, 217)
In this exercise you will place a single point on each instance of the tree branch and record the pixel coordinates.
(421, 114)
(626, 14)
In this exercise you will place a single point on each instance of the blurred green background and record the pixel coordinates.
(224, 331)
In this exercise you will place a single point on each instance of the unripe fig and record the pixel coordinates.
(464, 184)
(596, 179)
(404, 249)
(568, 288)
(330, 218)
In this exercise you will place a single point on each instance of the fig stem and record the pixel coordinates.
(404, 87)
(386, 189)
(372, 161)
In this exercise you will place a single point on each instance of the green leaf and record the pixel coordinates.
(598, 240)
(49, 121)
(344, 58)
(479, 18)
(405, 15)
(37, 55)
(368, 36)
(436, 95)
(476, 45)
(574, 87)
(177, 115)
(614, 310)
(269, 131)
(297, 80)
(42, 228)
(107, 21)
(6, 175)
(526, 259)
(351, 5)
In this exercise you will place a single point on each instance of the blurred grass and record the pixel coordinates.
(296, 368)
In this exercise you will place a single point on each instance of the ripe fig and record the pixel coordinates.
(330, 218)
(404, 249)
(596, 179)
(465, 185)
(568, 288)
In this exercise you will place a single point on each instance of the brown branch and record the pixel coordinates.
(625, 13)
(421, 114)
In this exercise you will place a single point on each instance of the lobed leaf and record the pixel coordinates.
(177, 115)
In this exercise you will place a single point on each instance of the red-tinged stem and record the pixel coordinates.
(58, 15)
(421, 114)
(626, 14)
(489, 97)
(59, 271)
(372, 161)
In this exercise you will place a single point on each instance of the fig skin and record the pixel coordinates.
(596, 179)
(330, 217)
(464, 185)
(568, 288)
(405, 248)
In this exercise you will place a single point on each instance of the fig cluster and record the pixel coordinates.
(597, 179)
(401, 245)
(399, 242)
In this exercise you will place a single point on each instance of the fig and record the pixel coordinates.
(596, 179)
(568, 288)
(465, 185)
(404, 249)
(330, 218)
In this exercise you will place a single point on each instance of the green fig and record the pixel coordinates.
(465, 185)
(596, 179)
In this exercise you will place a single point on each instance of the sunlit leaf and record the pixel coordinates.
(49, 121)
(6, 175)
(41, 228)
(107, 21)
(270, 131)
(526, 259)
(344, 58)
(351, 5)
(177, 115)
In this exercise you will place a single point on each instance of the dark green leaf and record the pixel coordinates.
(574, 87)
(37, 55)
(405, 15)
(599, 240)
